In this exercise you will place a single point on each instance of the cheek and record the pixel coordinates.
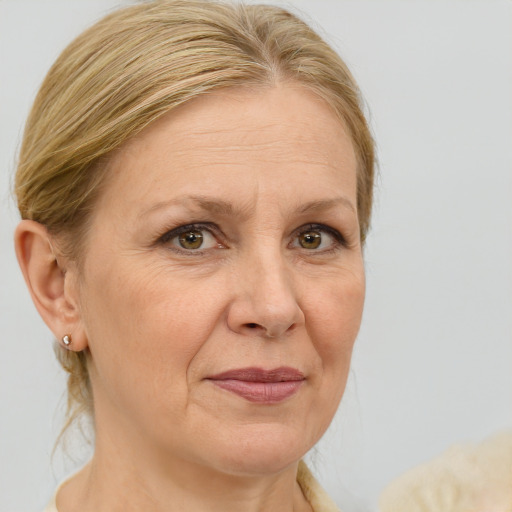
(335, 318)
(144, 330)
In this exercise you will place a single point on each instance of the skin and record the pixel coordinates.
(257, 169)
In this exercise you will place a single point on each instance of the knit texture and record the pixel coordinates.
(466, 478)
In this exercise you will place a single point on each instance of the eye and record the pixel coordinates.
(310, 240)
(190, 238)
(318, 237)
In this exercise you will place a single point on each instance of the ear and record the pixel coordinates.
(52, 283)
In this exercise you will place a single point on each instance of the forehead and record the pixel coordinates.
(270, 137)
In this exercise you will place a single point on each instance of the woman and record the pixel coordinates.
(195, 183)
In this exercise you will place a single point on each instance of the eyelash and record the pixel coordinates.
(340, 240)
(164, 239)
(173, 233)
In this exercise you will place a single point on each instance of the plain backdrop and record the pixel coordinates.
(433, 362)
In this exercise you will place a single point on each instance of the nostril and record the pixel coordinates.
(252, 326)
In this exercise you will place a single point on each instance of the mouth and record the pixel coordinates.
(259, 385)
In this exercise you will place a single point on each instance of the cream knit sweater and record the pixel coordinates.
(467, 478)
(317, 497)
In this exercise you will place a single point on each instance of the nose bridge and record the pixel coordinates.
(272, 287)
(267, 298)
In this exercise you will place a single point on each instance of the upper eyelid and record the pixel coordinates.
(199, 226)
(321, 227)
(171, 234)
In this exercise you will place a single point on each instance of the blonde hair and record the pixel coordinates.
(139, 63)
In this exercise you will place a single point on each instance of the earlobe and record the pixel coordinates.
(52, 283)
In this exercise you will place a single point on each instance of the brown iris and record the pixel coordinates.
(191, 239)
(310, 239)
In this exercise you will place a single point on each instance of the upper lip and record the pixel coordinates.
(254, 374)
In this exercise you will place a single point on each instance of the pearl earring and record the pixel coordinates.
(66, 339)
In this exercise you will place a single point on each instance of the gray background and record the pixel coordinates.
(434, 357)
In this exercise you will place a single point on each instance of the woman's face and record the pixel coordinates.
(223, 283)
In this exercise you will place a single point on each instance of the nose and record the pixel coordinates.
(265, 302)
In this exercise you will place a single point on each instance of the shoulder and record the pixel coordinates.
(313, 491)
(466, 478)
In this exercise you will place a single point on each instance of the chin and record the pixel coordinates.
(263, 451)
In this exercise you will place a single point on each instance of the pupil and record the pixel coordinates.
(311, 240)
(191, 240)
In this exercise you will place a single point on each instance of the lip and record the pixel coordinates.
(260, 385)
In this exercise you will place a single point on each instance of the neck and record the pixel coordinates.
(131, 480)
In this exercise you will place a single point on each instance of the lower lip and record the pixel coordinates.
(260, 392)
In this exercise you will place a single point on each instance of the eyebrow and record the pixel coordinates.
(221, 207)
(208, 204)
(327, 204)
